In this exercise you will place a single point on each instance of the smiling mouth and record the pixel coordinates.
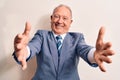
(58, 25)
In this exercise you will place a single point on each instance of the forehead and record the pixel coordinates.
(62, 11)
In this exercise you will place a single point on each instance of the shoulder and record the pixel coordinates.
(76, 34)
(75, 37)
(43, 32)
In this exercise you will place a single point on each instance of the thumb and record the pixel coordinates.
(27, 28)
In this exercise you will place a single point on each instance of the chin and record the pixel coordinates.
(58, 32)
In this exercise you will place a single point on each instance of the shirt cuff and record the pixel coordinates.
(91, 55)
(28, 55)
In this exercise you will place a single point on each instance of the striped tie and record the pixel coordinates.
(59, 44)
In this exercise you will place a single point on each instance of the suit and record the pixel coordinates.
(43, 45)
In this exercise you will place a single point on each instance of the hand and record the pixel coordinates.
(102, 50)
(20, 45)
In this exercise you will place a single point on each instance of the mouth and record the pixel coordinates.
(59, 25)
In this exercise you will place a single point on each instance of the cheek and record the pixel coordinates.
(54, 20)
(52, 23)
(67, 24)
(66, 28)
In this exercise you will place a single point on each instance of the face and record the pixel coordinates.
(61, 20)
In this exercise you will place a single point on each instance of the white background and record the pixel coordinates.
(88, 17)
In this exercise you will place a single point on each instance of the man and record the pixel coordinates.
(57, 58)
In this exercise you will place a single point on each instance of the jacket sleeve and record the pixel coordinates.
(35, 43)
(83, 50)
(14, 56)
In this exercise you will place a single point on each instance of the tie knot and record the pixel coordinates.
(58, 37)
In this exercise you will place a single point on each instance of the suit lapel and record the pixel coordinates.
(53, 49)
(65, 47)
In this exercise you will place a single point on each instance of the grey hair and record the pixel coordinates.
(62, 5)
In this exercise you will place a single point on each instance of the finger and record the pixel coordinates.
(18, 46)
(106, 59)
(18, 38)
(107, 46)
(20, 57)
(27, 28)
(100, 64)
(102, 68)
(108, 52)
(24, 64)
(99, 41)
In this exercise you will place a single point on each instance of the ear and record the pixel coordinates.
(51, 17)
(71, 20)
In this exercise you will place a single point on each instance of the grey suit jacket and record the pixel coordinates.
(43, 45)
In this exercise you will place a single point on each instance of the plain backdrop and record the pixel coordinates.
(88, 17)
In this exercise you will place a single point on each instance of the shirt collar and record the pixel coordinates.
(62, 35)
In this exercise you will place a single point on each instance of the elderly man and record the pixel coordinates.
(58, 51)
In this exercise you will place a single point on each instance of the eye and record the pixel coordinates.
(55, 16)
(65, 18)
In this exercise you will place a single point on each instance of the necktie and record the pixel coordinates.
(59, 44)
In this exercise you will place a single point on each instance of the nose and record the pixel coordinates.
(60, 20)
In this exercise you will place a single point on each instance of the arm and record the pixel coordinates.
(85, 51)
